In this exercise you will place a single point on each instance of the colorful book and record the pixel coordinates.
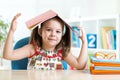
(75, 41)
(40, 18)
(94, 71)
(104, 66)
(104, 31)
(113, 39)
(105, 62)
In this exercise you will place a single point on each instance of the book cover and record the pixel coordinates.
(40, 18)
(108, 39)
(113, 39)
(75, 41)
(104, 31)
(106, 68)
(103, 71)
(105, 62)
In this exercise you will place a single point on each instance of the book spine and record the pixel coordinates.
(105, 64)
(113, 39)
(93, 71)
(105, 71)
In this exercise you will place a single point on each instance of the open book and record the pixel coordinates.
(32, 23)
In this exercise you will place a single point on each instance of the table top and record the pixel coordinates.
(54, 75)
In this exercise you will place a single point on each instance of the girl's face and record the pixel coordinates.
(51, 33)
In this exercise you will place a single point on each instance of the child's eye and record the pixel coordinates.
(48, 29)
(58, 31)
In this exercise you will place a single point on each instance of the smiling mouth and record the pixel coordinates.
(52, 39)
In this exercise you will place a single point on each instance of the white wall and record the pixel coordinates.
(103, 7)
(9, 8)
(63, 7)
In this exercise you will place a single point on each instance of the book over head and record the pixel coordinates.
(41, 18)
(32, 23)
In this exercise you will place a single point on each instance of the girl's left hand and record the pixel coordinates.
(82, 33)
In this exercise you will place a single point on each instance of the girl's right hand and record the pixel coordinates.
(14, 22)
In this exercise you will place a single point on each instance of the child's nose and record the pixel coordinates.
(53, 33)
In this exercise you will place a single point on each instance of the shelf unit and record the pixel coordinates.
(93, 25)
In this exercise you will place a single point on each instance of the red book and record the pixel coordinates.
(40, 18)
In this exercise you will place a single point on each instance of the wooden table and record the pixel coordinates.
(53, 75)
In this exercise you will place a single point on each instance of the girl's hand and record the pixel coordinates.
(14, 22)
(82, 34)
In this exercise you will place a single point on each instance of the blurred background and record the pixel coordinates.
(67, 9)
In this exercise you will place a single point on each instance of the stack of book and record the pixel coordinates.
(104, 66)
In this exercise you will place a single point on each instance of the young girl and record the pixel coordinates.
(49, 45)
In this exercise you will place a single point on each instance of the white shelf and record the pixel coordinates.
(93, 25)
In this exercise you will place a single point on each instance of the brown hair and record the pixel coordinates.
(65, 42)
